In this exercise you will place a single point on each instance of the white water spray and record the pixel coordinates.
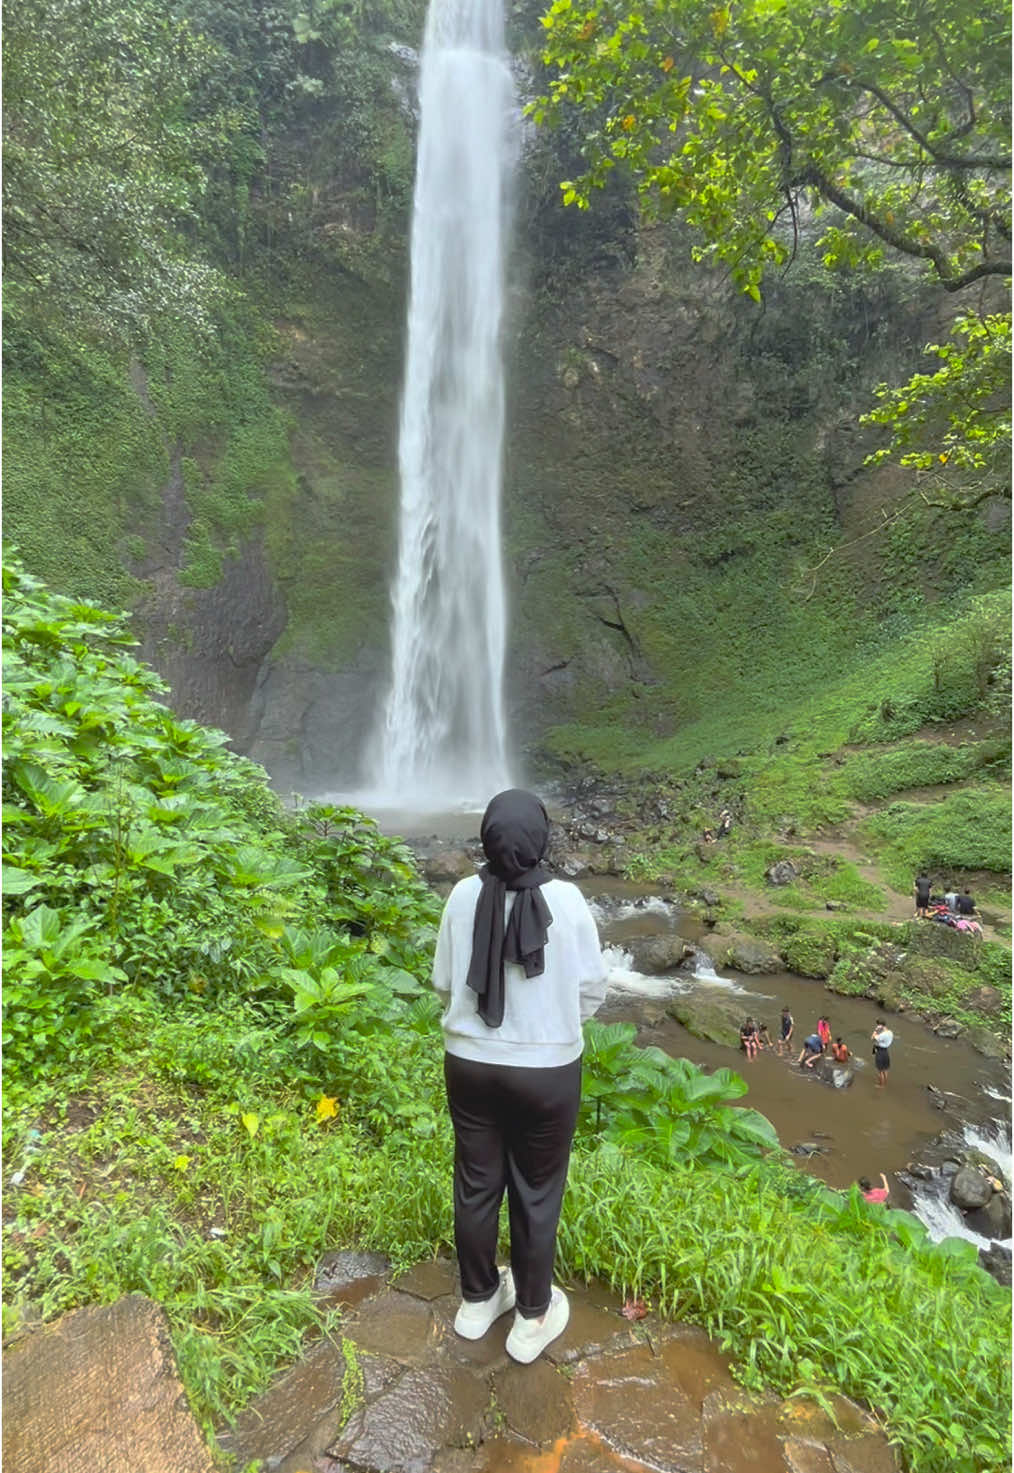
(442, 737)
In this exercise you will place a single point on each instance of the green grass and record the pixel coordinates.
(875, 776)
(192, 1119)
(963, 831)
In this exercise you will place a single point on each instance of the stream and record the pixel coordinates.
(860, 1131)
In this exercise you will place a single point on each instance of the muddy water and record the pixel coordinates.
(862, 1130)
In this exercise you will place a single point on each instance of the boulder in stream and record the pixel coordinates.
(709, 1016)
(742, 953)
(658, 955)
(970, 1189)
(993, 1220)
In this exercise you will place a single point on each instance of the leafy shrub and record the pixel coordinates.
(664, 1109)
(140, 852)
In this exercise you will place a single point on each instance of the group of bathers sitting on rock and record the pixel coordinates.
(953, 908)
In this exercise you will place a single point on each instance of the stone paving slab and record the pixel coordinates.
(97, 1392)
(609, 1397)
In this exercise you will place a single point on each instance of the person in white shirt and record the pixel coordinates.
(519, 968)
(882, 1040)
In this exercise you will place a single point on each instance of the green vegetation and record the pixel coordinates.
(749, 120)
(207, 1087)
(962, 831)
(921, 764)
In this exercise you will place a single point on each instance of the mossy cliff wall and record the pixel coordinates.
(679, 462)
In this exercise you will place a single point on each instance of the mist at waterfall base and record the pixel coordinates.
(440, 740)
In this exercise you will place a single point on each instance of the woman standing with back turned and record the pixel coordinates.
(518, 967)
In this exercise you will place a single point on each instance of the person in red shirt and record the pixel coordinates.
(872, 1193)
(840, 1051)
(824, 1031)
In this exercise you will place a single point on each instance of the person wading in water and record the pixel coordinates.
(519, 968)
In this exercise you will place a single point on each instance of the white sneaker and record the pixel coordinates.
(474, 1319)
(529, 1338)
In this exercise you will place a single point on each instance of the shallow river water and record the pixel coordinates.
(862, 1130)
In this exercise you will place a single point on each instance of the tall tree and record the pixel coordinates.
(881, 127)
(105, 155)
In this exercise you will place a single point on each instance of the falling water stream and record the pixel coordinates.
(442, 737)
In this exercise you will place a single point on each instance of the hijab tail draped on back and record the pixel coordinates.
(515, 836)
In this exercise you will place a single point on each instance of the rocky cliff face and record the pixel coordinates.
(662, 431)
(678, 463)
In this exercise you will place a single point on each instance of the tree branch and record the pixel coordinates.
(952, 161)
(818, 180)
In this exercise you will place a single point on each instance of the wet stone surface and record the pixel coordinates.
(348, 1278)
(409, 1396)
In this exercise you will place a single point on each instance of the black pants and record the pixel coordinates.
(512, 1130)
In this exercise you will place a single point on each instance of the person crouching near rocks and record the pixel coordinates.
(748, 1038)
(519, 968)
(811, 1051)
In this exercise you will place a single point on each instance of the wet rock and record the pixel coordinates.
(396, 1325)
(756, 958)
(535, 1401)
(970, 1189)
(994, 1219)
(631, 1403)
(996, 1260)
(658, 955)
(278, 1421)
(348, 1277)
(744, 953)
(782, 873)
(808, 1148)
(734, 1422)
(402, 1431)
(429, 1280)
(592, 1329)
(806, 1457)
(714, 1018)
(98, 1390)
(948, 1028)
(987, 1043)
(837, 1076)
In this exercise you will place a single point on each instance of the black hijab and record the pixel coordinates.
(515, 835)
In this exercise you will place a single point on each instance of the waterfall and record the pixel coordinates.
(442, 739)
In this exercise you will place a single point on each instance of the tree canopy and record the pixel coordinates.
(888, 123)
(879, 128)
(106, 152)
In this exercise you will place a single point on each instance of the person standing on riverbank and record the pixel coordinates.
(922, 893)
(518, 967)
(882, 1039)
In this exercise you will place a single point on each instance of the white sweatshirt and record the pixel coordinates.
(542, 1019)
